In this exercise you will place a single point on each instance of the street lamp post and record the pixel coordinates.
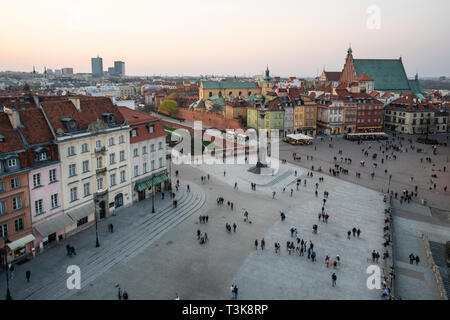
(8, 294)
(97, 244)
(389, 185)
(153, 195)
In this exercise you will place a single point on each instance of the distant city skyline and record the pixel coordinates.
(294, 38)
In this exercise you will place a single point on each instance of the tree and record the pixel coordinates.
(168, 106)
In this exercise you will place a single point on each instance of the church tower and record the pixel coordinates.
(267, 83)
(348, 72)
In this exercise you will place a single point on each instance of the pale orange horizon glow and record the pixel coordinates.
(295, 38)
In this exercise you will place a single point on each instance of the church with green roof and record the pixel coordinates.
(387, 74)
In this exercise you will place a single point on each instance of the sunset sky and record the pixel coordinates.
(232, 37)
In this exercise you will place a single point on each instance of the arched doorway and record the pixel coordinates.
(118, 200)
(102, 212)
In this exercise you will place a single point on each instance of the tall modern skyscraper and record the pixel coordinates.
(97, 66)
(119, 68)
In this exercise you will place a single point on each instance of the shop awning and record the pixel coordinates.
(82, 212)
(54, 225)
(299, 136)
(21, 242)
(150, 181)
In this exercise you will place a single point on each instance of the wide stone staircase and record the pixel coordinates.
(133, 233)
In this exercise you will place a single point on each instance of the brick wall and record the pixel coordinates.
(208, 119)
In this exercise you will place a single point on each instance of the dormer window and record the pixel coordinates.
(109, 118)
(70, 124)
(151, 128)
(12, 163)
(133, 133)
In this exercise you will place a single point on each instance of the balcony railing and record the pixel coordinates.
(100, 150)
(100, 170)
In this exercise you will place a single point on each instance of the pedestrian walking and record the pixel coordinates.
(349, 233)
(354, 232)
(234, 227)
(125, 295)
(68, 249)
(358, 232)
(333, 279)
(198, 234)
(28, 275)
(119, 293)
(327, 261)
(417, 260)
(206, 219)
(112, 228)
(256, 244)
(412, 257)
(273, 195)
(263, 244)
(11, 270)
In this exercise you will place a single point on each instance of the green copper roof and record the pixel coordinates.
(229, 85)
(388, 74)
(416, 88)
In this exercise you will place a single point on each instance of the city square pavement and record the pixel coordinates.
(159, 256)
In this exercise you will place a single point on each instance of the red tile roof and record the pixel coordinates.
(333, 75)
(140, 120)
(12, 138)
(35, 128)
(364, 77)
(91, 110)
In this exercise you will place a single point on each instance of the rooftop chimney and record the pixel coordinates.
(76, 103)
(14, 117)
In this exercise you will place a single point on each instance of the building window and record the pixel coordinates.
(18, 224)
(151, 129)
(160, 145)
(73, 194)
(152, 148)
(112, 158)
(82, 221)
(112, 179)
(17, 203)
(133, 133)
(122, 176)
(52, 175)
(99, 163)
(54, 200)
(122, 155)
(135, 152)
(160, 162)
(111, 141)
(136, 171)
(144, 150)
(36, 180)
(2, 186)
(100, 184)
(144, 167)
(2, 208)
(84, 148)
(122, 139)
(4, 231)
(38, 207)
(85, 166)
(15, 183)
(42, 156)
(72, 170)
(98, 144)
(71, 151)
(87, 189)
(153, 165)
